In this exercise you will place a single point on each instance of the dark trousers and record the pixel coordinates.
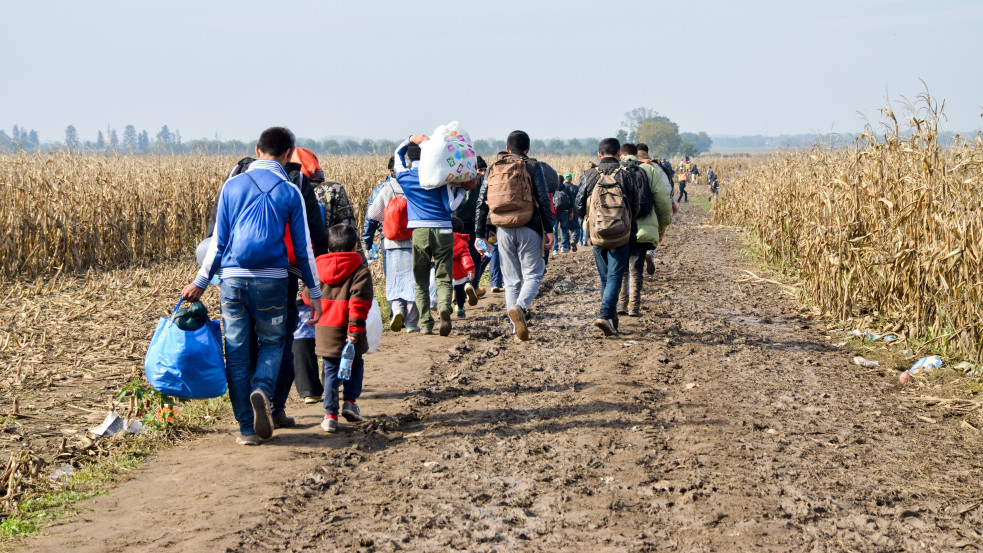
(682, 193)
(285, 378)
(307, 375)
(459, 296)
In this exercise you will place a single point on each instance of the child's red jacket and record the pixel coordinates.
(346, 297)
(463, 264)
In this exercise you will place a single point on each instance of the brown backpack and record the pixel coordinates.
(608, 213)
(510, 199)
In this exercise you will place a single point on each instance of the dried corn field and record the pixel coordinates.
(889, 230)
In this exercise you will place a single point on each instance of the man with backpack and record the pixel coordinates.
(654, 215)
(255, 210)
(608, 201)
(563, 203)
(514, 198)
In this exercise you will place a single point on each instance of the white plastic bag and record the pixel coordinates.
(447, 157)
(433, 287)
(373, 327)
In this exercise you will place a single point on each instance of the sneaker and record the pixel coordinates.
(634, 313)
(573, 247)
(649, 264)
(622, 310)
(251, 439)
(518, 318)
(311, 400)
(472, 295)
(412, 330)
(564, 251)
(262, 420)
(445, 321)
(606, 326)
(396, 324)
(498, 289)
(350, 411)
(329, 424)
(281, 420)
(461, 314)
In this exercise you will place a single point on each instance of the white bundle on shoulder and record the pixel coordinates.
(448, 157)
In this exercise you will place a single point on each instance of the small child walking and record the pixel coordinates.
(346, 286)
(463, 269)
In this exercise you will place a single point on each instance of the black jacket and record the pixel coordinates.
(589, 180)
(542, 216)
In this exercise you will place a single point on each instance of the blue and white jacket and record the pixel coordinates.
(425, 208)
(237, 194)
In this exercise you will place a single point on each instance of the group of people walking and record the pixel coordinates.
(278, 223)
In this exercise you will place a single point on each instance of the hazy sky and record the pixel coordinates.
(568, 68)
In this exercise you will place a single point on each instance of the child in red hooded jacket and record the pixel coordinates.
(463, 269)
(346, 289)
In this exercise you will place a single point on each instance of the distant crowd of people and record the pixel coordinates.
(277, 224)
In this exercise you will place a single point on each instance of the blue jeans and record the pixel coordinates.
(495, 278)
(253, 309)
(611, 268)
(561, 232)
(352, 386)
(285, 377)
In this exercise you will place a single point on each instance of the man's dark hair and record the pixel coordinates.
(392, 163)
(643, 147)
(413, 152)
(518, 142)
(276, 141)
(629, 149)
(457, 224)
(609, 147)
(480, 164)
(341, 238)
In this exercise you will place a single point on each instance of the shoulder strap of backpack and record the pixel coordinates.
(265, 192)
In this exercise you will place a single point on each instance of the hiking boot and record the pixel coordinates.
(262, 420)
(251, 439)
(622, 310)
(606, 326)
(396, 324)
(350, 411)
(498, 289)
(329, 424)
(471, 294)
(518, 318)
(445, 321)
(281, 420)
(311, 400)
(573, 246)
(649, 264)
(480, 292)
(634, 313)
(461, 314)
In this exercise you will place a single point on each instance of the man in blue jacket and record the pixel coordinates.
(429, 213)
(254, 209)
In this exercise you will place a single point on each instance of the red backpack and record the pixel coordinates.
(396, 219)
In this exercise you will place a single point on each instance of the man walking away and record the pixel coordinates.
(255, 210)
(515, 199)
(608, 202)
(563, 203)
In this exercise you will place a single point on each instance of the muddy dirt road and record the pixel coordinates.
(721, 420)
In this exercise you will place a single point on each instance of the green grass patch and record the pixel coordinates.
(701, 202)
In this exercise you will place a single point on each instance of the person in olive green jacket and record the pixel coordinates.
(650, 230)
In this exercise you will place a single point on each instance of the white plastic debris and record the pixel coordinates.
(866, 363)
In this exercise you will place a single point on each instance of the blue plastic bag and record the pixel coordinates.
(184, 364)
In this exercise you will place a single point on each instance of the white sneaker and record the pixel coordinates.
(329, 425)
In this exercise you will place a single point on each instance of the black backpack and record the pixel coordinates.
(561, 201)
(641, 181)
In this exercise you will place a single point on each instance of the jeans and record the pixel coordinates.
(682, 192)
(259, 306)
(352, 387)
(285, 378)
(521, 250)
(577, 231)
(436, 244)
(495, 267)
(611, 268)
(561, 232)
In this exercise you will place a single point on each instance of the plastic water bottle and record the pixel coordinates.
(345, 366)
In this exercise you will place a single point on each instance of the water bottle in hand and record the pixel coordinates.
(345, 366)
